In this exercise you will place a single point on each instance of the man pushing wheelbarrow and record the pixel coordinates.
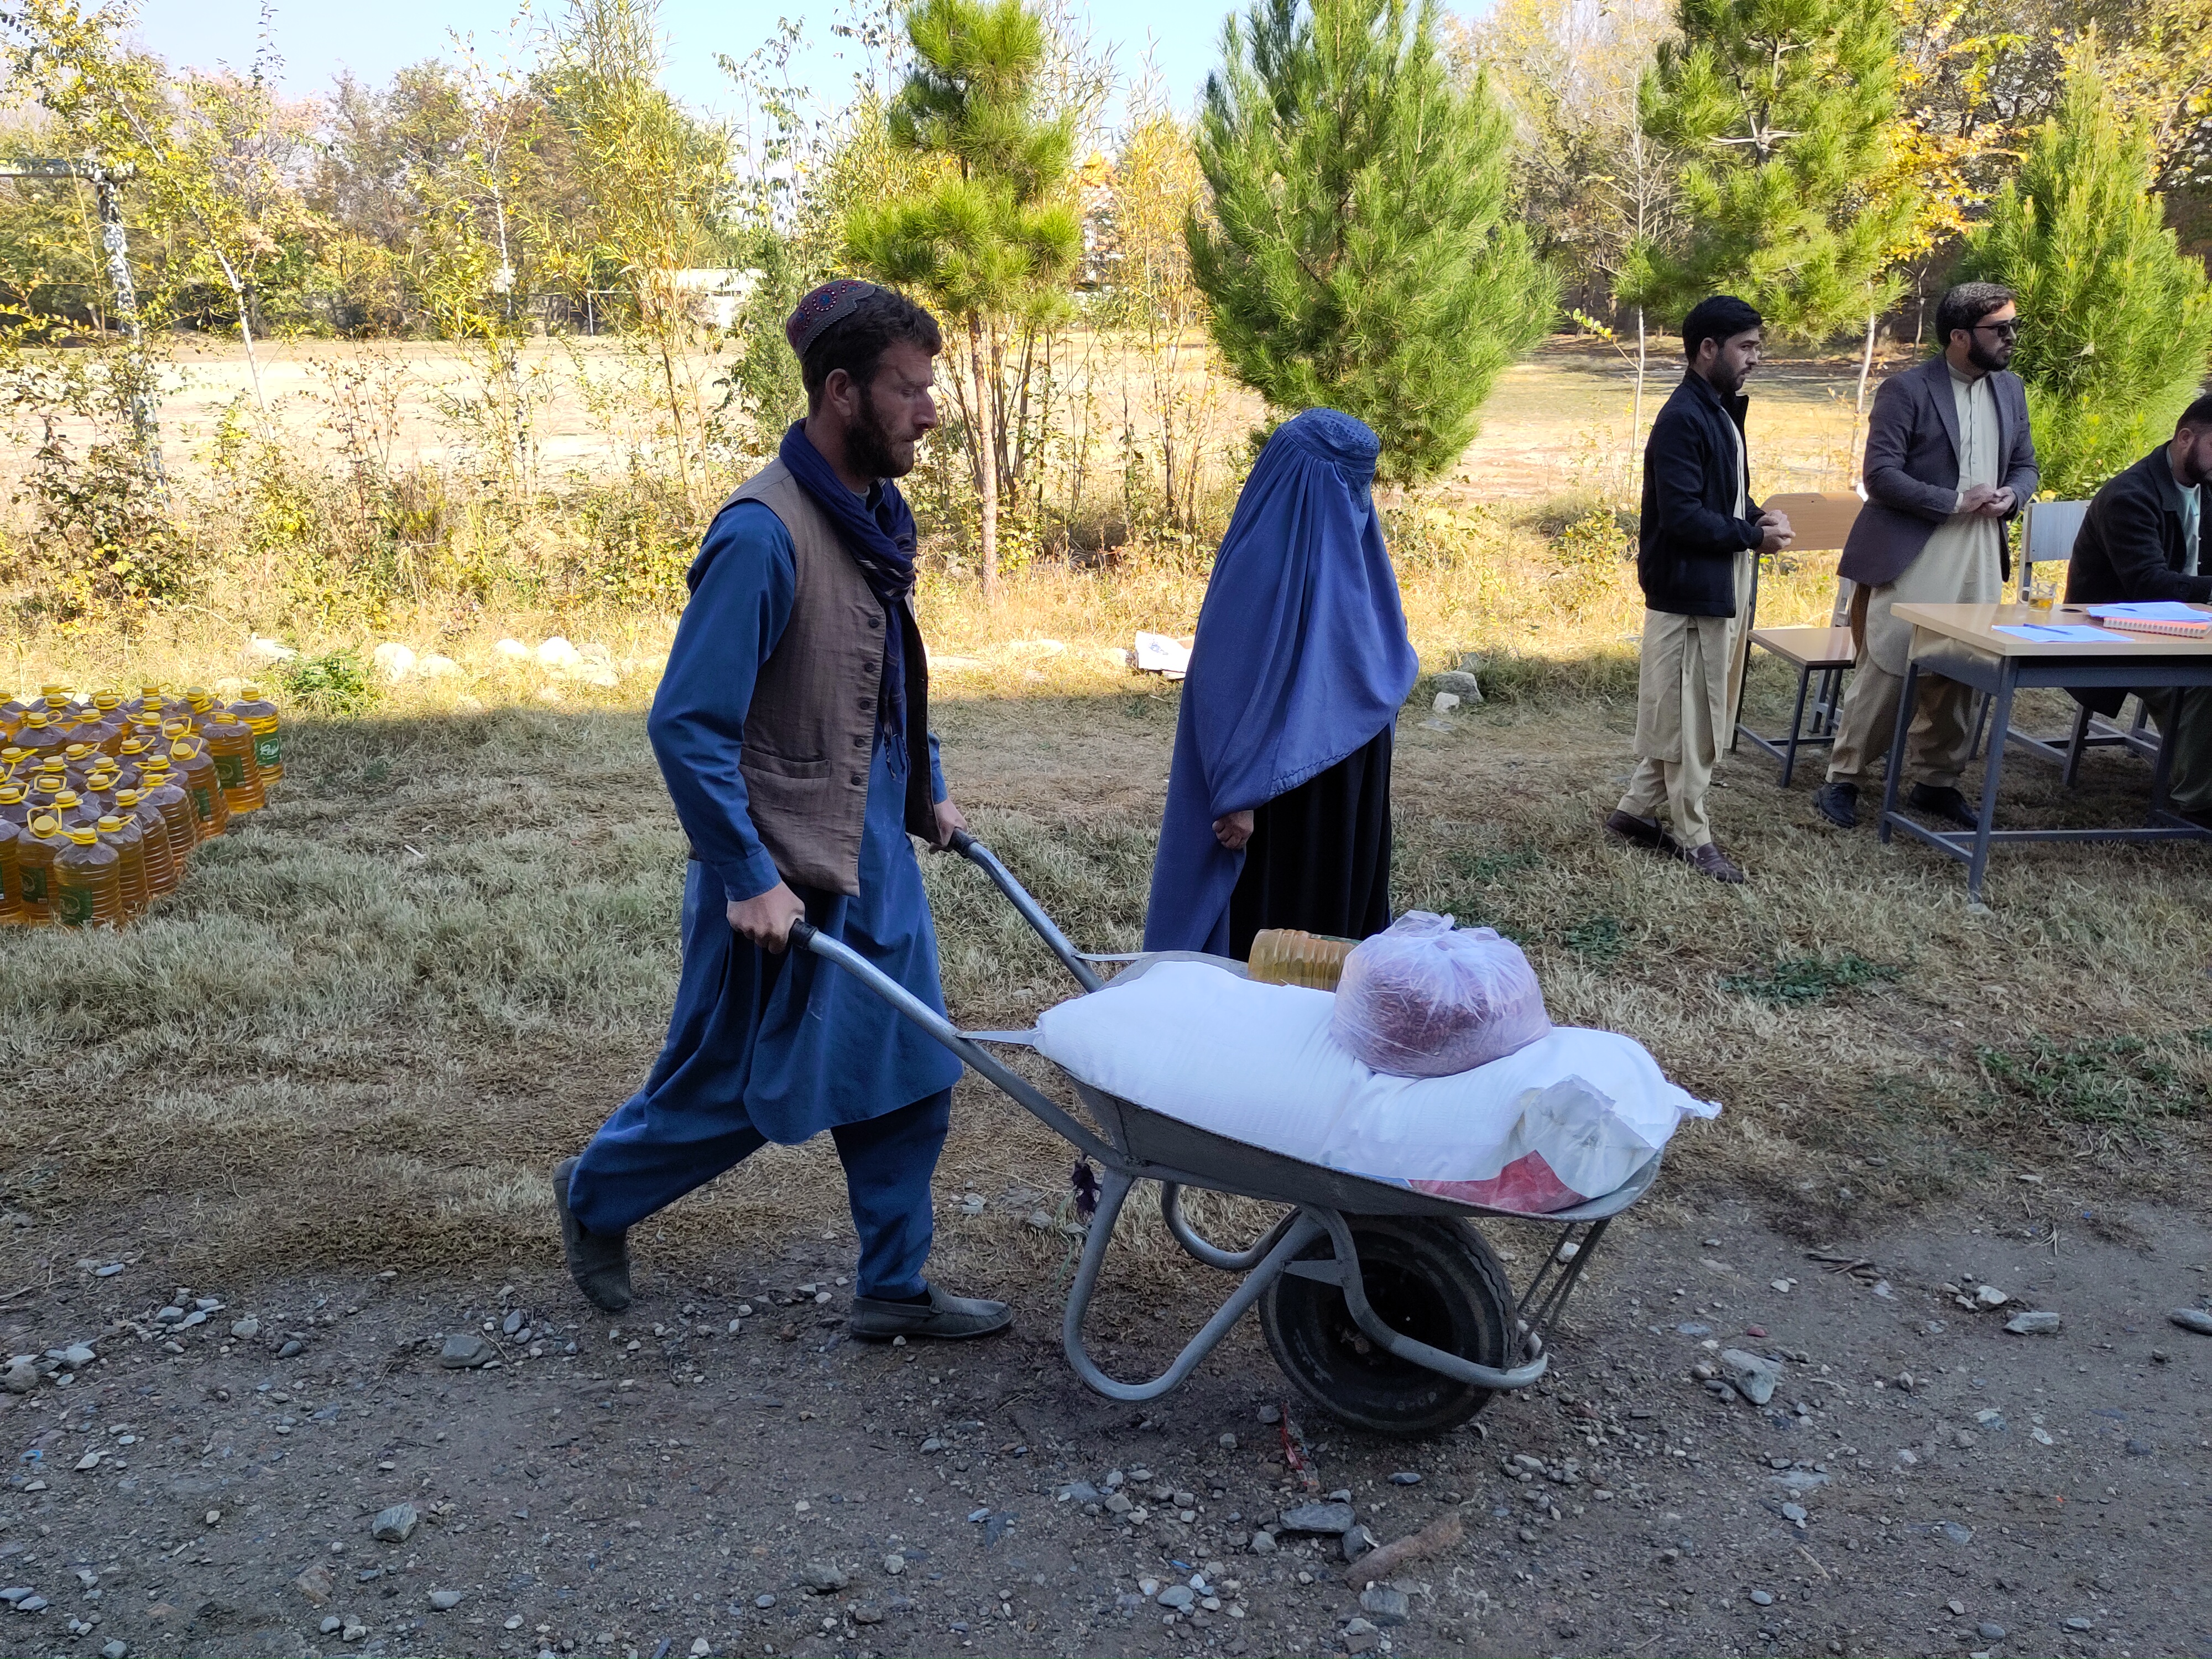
(793, 728)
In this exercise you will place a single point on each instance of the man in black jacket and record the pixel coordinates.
(2147, 536)
(1693, 558)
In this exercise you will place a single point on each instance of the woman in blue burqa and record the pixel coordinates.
(1278, 800)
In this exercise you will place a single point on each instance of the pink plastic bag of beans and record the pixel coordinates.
(1425, 999)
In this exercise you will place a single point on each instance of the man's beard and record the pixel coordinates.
(1988, 360)
(869, 446)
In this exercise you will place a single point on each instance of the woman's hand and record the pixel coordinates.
(1234, 830)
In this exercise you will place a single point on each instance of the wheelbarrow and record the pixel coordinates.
(1384, 1306)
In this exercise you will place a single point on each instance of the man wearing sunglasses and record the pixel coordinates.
(1949, 461)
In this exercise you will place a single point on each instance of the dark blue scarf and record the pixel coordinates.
(877, 530)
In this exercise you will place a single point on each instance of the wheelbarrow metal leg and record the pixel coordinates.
(1113, 1191)
(1213, 1256)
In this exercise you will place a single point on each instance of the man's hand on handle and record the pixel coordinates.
(766, 918)
(948, 820)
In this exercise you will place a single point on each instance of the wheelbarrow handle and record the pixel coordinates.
(1031, 912)
(804, 936)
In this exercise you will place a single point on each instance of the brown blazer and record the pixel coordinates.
(1912, 468)
(811, 730)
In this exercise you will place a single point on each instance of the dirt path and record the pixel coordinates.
(667, 1487)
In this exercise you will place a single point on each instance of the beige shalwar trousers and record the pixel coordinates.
(1937, 745)
(1686, 679)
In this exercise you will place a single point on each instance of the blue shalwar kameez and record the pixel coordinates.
(766, 1047)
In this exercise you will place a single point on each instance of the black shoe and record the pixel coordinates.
(1838, 803)
(598, 1262)
(1648, 833)
(1940, 802)
(1709, 861)
(946, 1318)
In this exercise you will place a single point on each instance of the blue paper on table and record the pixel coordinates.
(2064, 632)
(2152, 611)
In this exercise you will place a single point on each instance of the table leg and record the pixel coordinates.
(1999, 724)
(1895, 772)
(2161, 770)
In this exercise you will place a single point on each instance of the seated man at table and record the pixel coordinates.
(2147, 536)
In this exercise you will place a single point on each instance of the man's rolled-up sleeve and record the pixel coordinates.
(747, 576)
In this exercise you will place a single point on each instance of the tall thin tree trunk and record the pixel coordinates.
(1636, 420)
(1866, 363)
(986, 462)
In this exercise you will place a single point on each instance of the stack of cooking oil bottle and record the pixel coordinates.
(103, 800)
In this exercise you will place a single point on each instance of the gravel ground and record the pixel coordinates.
(720, 1471)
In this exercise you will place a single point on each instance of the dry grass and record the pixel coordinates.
(380, 1010)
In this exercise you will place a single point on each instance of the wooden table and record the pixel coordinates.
(1961, 643)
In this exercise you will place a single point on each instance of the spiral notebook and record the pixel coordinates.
(2169, 616)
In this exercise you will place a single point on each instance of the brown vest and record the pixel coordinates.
(810, 735)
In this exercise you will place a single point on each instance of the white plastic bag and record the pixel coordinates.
(1424, 998)
(1571, 1117)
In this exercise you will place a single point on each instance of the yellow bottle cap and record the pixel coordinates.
(183, 749)
(107, 700)
(45, 824)
(65, 799)
(35, 718)
(77, 751)
(10, 793)
(127, 798)
(83, 836)
(110, 824)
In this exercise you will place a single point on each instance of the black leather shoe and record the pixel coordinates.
(598, 1262)
(1642, 832)
(1938, 802)
(944, 1317)
(1838, 803)
(1709, 861)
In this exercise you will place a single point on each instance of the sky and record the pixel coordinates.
(373, 38)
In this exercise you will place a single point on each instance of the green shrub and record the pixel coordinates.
(334, 683)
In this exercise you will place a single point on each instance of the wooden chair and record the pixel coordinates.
(2048, 539)
(1820, 523)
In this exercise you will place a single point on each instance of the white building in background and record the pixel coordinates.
(713, 293)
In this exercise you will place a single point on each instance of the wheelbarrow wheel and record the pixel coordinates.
(1429, 1277)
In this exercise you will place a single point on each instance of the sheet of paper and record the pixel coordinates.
(2065, 633)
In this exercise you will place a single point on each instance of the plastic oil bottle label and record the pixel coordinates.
(230, 771)
(34, 885)
(204, 803)
(73, 906)
(268, 750)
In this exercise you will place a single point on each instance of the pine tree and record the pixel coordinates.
(1362, 253)
(993, 235)
(1786, 111)
(2116, 321)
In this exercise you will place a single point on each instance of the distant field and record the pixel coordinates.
(1558, 422)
